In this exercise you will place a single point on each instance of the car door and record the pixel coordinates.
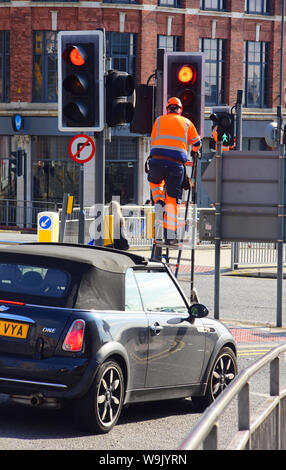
(176, 350)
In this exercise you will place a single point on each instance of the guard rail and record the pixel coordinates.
(266, 430)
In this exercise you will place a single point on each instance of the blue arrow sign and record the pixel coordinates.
(45, 222)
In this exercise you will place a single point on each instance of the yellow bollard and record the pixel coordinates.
(150, 224)
(48, 227)
(108, 230)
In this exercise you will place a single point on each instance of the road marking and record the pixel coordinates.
(253, 352)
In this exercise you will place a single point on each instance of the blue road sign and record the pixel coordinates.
(45, 222)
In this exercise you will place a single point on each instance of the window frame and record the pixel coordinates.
(5, 72)
(45, 57)
(264, 97)
(220, 63)
(265, 7)
(222, 5)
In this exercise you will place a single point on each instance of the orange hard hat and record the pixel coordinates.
(173, 101)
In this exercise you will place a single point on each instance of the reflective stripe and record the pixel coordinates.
(173, 137)
(185, 152)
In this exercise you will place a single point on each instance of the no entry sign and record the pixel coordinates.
(81, 148)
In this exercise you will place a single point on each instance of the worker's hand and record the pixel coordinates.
(195, 154)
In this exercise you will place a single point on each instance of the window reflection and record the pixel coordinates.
(159, 293)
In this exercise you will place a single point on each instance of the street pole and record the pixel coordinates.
(81, 215)
(99, 195)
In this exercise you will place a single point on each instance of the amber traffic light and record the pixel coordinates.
(184, 78)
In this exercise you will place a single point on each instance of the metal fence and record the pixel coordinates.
(266, 430)
(136, 223)
(22, 214)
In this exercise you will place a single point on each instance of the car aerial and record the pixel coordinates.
(100, 328)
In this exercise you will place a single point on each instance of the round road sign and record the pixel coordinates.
(81, 148)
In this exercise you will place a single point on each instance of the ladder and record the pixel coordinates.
(161, 251)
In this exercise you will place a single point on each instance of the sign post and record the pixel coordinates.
(81, 150)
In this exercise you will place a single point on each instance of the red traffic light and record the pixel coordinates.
(75, 55)
(187, 74)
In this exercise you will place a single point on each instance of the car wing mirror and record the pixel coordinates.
(198, 311)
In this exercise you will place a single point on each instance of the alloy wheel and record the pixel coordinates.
(109, 395)
(224, 372)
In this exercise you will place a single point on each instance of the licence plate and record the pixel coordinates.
(13, 329)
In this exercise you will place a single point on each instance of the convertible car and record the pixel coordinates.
(100, 328)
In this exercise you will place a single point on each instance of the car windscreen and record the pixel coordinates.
(33, 280)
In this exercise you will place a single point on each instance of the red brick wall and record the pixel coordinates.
(147, 24)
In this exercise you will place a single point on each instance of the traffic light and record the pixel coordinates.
(224, 119)
(184, 77)
(17, 162)
(143, 118)
(80, 81)
(119, 85)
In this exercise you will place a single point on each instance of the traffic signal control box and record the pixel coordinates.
(80, 81)
(184, 78)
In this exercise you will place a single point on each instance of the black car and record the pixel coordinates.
(100, 328)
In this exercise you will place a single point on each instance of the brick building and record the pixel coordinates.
(241, 40)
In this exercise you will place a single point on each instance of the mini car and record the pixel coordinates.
(99, 328)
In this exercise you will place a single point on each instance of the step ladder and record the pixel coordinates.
(165, 253)
(158, 246)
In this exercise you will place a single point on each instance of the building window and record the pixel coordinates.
(45, 67)
(215, 70)
(170, 3)
(169, 43)
(4, 66)
(257, 6)
(121, 169)
(54, 172)
(256, 80)
(122, 48)
(219, 5)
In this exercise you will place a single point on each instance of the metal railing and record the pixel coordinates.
(22, 214)
(265, 431)
(135, 221)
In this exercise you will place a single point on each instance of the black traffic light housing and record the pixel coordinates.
(16, 160)
(119, 85)
(80, 81)
(184, 78)
(143, 117)
(224, 119)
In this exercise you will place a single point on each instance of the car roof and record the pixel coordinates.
(107, 259)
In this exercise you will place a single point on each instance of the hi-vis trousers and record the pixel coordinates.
(165, 181)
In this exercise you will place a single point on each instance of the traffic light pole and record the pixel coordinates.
(81, 216)
(99, 195)
(219, 163)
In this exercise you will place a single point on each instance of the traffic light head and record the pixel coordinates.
(119, 85)
(184, 79)
(80, 81)
(16, 161)
(223, 118)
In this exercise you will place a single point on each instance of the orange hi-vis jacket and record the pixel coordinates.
(172, 135)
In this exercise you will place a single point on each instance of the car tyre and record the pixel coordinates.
(99, 410)
(221, 375)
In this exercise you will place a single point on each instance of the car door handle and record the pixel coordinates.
(156, 328)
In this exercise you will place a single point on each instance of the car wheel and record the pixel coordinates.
(99, 410)
(221, 375)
